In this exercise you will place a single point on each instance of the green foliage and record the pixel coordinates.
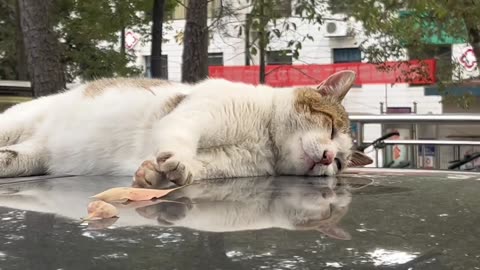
(90, 35)
(269, 18)
(7, 40)
(415, 29)
(89, 32)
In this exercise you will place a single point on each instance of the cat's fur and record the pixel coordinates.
(180, 132)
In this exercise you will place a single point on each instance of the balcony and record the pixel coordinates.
(413, 72)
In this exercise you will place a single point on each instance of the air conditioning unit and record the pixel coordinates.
(334, 28)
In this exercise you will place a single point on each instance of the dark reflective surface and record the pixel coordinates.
(376, 221)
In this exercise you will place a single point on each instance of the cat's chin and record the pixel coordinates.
(322, 170)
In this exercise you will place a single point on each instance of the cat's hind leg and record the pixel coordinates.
(9, 132)
(24, 159)
(18, 123)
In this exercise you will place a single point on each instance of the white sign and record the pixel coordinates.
(466, 61)
(131, 39)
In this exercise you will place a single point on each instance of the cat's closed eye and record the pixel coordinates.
(334, 133)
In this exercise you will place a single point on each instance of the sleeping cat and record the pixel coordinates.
(158, 130)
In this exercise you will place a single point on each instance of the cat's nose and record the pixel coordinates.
(327, 158)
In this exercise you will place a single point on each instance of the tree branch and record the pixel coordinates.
(181, 3)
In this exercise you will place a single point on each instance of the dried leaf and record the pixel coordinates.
(100, 210)
(122, 194)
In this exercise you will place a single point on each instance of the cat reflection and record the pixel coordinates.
(256, 203)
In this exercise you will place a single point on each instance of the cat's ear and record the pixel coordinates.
(337, 84)
(359, 159)
(335, 233)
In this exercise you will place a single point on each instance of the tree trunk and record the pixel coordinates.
(195, 42)
(122, 41)
(41, 47)
(262, 41)
(474, 34)
(21, 60)
(157, 28)
(248, 24)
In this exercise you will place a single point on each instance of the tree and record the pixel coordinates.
(21, 59)
(157, 30)
(7, 36)
(90, 35)
(41, 47)
(413, 28)
(417, 29)
(13, 65)
(267, 21)
(195, 42)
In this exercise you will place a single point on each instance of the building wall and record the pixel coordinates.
(227, 41)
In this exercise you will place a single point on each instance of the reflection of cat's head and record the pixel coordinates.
(316, 207)
(313, 133)
(253, 204)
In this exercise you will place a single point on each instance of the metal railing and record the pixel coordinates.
(416, 144)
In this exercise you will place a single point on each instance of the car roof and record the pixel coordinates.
(364, 219)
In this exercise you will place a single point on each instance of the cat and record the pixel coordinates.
(156, 130)
(308, 204)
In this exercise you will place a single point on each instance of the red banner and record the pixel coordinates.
(414, 72)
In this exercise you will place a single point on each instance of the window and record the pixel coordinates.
(283, 57)
(164, 67)
(399, 110)
(180, 12)
(215, 59)
(274, 9)
(213, 8)
(339, 6)
(347, 55)
(282, 8)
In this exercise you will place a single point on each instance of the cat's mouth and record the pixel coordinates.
(311, 163)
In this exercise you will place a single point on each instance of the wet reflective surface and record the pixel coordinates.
(399, 220)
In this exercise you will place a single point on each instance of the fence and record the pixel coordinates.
(413, 72)
(417, 147)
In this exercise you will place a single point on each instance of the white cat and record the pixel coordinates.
(181, 132)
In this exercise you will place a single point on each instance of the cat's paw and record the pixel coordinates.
(167, 169)
(179, 171)
(148, 175)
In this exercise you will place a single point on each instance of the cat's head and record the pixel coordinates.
(312, 131)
